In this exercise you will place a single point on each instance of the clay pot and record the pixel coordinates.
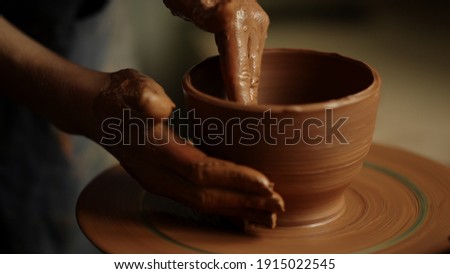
(309, 133)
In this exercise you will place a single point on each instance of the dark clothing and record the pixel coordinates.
(51, 22)
(36, 181)
(36, 184)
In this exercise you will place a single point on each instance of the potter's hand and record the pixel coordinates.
(240, 28)
(167, 165)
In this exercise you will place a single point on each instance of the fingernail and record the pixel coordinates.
(273, 220)
(277, 202)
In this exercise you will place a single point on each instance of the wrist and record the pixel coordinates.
(79, 102)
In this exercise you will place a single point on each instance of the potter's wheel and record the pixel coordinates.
(400, 203)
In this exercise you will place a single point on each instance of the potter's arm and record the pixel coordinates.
(46, 83)
(240, 28)
(77, 100)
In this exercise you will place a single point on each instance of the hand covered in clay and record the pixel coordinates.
(240, 28)
(167, 165)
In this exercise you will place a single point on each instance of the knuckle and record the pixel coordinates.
(210, 171)
(147, 96)
(200, 171)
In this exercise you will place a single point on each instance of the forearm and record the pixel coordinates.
(48, 84)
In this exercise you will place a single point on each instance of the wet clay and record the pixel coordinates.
(397, 204)
(310, 167)
(240, 28)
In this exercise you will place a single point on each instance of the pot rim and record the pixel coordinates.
(371, 90)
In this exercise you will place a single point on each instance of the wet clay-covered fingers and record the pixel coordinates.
(240, 28)
(241, 46)
(196, 167)
(214, 172)
(219, 173)
(214, 186)
(255, 208)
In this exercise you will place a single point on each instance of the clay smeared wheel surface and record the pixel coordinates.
(400, 203)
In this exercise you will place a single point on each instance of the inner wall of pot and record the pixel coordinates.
(293, 77)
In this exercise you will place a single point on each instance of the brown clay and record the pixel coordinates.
(298, 85)
(398, 204)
